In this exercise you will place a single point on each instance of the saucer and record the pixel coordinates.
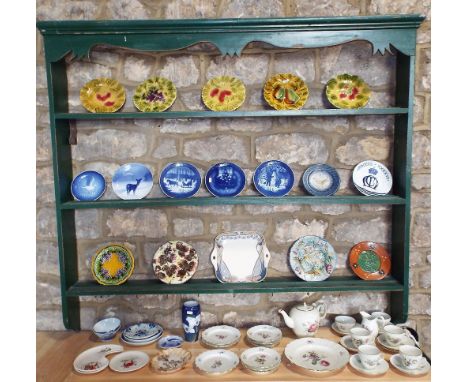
(422, 369)
(341, 332)
(356, 364)
(393, 348)
(348, 344)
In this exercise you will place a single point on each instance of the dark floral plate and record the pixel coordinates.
(112, 265)
(369, 260)
(155, 94)
(175, 262)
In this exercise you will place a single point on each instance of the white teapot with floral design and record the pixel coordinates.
(304, 320)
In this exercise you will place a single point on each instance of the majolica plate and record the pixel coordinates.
(129, 361)
(372, 178)
(112, 265)
(223, 93)
(132, 181)
(369, 260)
(221, 336)
(180, 180)
(273, 178)
(346, 91)
(216, 362)
(170, 360)
(175, 262)
(240, 257)
(94, 360)
(225, 179)
(102, 95)
(88, 186)
(321, 180)
(312, 258)
(285, 91)
(155, 94)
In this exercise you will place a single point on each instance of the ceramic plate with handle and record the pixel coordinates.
(369, 260)
(102, 95)
(346, 91)
(223, 93)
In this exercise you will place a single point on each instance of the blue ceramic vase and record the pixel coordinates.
(191, 315)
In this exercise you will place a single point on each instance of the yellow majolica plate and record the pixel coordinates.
(112, 265)
(155, 94)
(285, 91)
(102, 95)
(346, 91)
(223, 93)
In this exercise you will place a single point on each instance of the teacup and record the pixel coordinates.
(411, 356)
(370, 356)
(345, 323)
(382, 322)
(361, 336)
(394, 335)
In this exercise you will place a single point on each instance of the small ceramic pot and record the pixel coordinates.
(345, 323)
(394, 334)
(107, 328)
(411, 356)
(361, 336)
(370, 356)
(386, 318)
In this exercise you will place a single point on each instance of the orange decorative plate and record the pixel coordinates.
(223, 93)
(112, 265)
(102, 95)
(346, 91)
(285, 91)
(369, 260)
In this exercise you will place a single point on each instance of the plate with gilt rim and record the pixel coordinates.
(216, 362)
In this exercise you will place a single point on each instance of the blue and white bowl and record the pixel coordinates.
(225, 179)
(107, 328)
(169, 342)
(132, 181)
(180, 180)
(273, 178)
(88, 186)
(321, 180)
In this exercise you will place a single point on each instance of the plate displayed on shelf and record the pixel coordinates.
(380, 369)
(129, 361)
(94, 360)
(223, 93)
(273, 178)
(112, 265)
(169, 342)
(346, 91)
(285, 91)
(369, 260)
(175, 262)
(180, 180)
(102, 95)
(264, 335)
(321, 180)
(142, 331)
(240, 257)
(372, 178)
(312, 258)
(221, 336)
(316, 356)
(225, 179)
(132, 181)
(170, 360)
(216, 362)
(88, 186)
(260, 359)
(422, 369)
(155, 94)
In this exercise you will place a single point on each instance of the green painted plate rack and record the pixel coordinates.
(395, 33)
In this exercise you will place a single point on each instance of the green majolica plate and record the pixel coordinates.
(155, 94)
(112, 265)
(346, 91)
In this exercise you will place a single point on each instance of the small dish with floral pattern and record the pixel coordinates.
(346, 91)
(156, 94)
(102, 95)
(129, 361)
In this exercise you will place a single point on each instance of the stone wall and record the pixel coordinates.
(342, 142)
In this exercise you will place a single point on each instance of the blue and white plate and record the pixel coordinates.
(132, 181)
(142, 331)
(88, 186)
(372, 178)
(321, 180)
(168, 342)
(225, 179)
(273, 178)
(180, 180)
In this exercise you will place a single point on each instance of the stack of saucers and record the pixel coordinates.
(264, 335)
(260, 360)
(143, 333)
(221, 336)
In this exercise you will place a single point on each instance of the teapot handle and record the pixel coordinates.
(322, 308)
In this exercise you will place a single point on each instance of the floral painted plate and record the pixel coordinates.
(129, 361)
(88, 186)
(273, 178)
(316, 356)
(132, 181)
(372, 178)
(369, 260)
(170, 360)
(264, 335)
(285, 91)
(321, 180)
(94, 360)
(347, 92)
(216, 362)
(112, 265)
(155, 94)
(312, 258)
(221, 336)
(260, 359)
(175, 262)
(223, 93)
(102, 95)
(180, 180)
(225, 179)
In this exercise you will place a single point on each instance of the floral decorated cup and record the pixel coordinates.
(361, 336)
(394, 334)
(411, 356)
(386, 318)
(345, 323)
(370, 356)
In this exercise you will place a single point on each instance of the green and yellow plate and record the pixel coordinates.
(112, 265)
(346, 91)
(223, 93)
(285, 91)
(155, 94)
(102, 95)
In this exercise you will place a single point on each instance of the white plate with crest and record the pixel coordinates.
(221, 336)
(372, 178)
(216, 362)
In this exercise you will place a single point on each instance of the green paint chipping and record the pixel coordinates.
(369, 261)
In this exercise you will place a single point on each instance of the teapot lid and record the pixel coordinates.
(305, 307)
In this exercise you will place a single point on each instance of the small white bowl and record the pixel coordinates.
(345, 323)
(107, 328)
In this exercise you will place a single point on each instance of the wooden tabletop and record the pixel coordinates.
(56, 351)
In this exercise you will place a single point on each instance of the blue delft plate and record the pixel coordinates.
(88, 186)
(168, 342)
(225, 179)
(273, 178)
(132, 181)
(321, 180)
(180, 180)
(142, 331)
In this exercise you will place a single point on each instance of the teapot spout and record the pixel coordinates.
(288, 320)
(364, 314)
